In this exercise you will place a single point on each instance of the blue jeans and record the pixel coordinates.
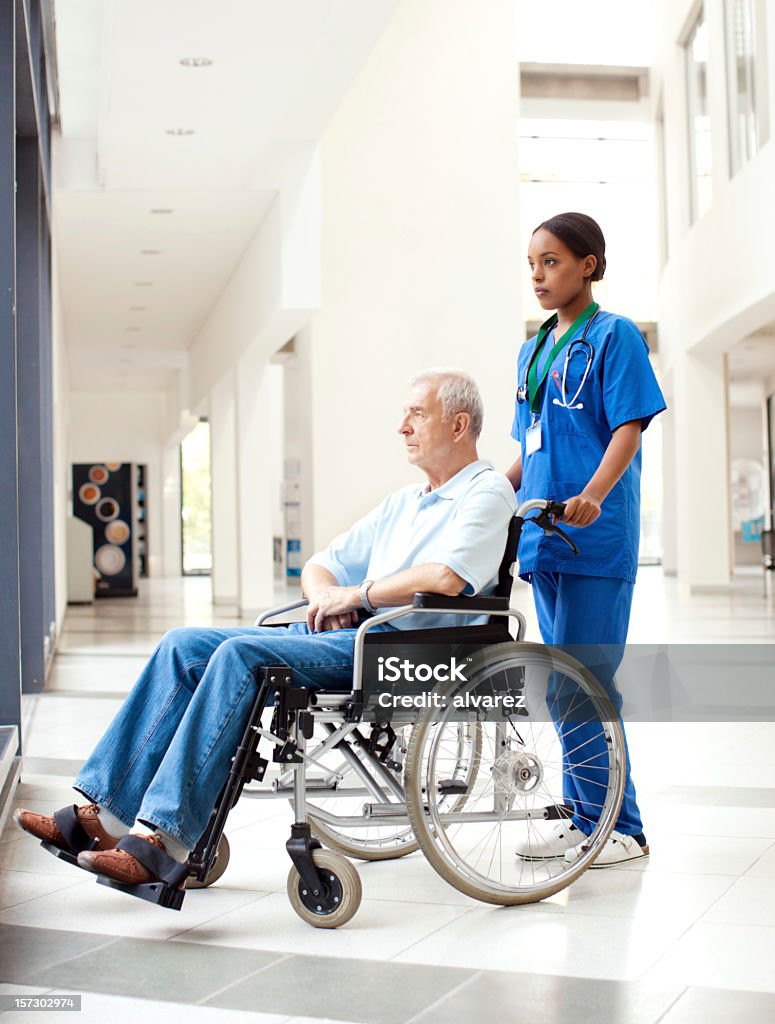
(589, 611)
(166, 755)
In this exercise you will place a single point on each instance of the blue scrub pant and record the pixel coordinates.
(589, 610)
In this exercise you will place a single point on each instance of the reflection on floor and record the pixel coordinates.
(688, 935)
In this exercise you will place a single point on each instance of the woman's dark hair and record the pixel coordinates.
(582, 235)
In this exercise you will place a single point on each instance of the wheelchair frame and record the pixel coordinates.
(324, 887)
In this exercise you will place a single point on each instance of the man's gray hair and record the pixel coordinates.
(457, 392)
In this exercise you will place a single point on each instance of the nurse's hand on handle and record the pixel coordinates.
(581, 510)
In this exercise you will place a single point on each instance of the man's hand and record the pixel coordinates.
(581, 510)
(333, 608)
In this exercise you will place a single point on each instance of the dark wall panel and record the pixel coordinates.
(10, 672)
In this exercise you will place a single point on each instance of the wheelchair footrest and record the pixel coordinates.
(163, 895)
(65, 855)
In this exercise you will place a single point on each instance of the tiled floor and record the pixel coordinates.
(687, 936)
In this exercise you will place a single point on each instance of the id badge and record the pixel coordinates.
(533, 438)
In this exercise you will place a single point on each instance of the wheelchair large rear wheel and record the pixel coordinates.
(369, 789)
(523, 768)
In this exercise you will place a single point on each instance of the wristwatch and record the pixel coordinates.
(363, 593)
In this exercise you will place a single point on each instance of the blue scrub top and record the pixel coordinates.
(620, 387)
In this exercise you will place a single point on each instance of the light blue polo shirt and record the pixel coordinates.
(462, 525)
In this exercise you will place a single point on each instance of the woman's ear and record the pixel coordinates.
(590, 266)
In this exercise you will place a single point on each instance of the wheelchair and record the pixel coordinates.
(461, 785)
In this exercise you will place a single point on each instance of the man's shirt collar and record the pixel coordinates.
(457, 484)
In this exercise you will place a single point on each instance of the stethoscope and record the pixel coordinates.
(580, 344)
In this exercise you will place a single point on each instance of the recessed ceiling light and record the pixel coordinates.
(150, 252)
(162, 209)
(180, 131)
(196, 62)
(143, 284)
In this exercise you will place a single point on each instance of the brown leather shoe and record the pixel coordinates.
(123, 867)
(46, 829)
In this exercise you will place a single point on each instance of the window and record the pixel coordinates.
(746, 80)
(697, 89)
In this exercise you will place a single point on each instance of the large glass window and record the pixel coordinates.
(698, 110)
(746, 80)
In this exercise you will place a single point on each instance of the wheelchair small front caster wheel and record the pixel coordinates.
(220, 864)
(336, 903)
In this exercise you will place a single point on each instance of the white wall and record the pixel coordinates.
(123, 427)
(420, 246)
(716, 288)
(718, 284)
(275, 285)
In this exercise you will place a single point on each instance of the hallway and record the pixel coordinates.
(662, 940)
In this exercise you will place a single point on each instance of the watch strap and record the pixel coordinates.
(363, 593)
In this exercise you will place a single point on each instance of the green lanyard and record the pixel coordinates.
(534, 385)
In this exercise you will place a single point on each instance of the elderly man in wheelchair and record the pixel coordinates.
(425, 567)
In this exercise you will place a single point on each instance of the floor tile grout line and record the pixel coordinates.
(655, 963)
(447, 995)
(416, 942)
(763, 854)
(667, 1009)
(84, 952)
(37, 896)
(281, 958)
(217, 917)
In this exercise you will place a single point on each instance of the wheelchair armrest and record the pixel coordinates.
(281, 609)
(473, 604)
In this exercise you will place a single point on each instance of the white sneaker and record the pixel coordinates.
(563, 838)
(618, 849)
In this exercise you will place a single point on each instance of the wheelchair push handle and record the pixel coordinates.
(549, 512)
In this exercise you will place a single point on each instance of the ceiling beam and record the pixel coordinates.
(583, 82)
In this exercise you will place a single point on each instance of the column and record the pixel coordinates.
(225, 501)
(255, 482)
(702, 492)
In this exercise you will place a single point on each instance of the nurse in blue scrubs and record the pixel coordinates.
(585, 394)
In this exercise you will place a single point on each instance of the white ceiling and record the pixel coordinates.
(279, 71)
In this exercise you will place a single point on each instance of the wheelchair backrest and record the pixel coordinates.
(505, 579)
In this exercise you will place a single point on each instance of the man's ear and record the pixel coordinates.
(461, 422)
